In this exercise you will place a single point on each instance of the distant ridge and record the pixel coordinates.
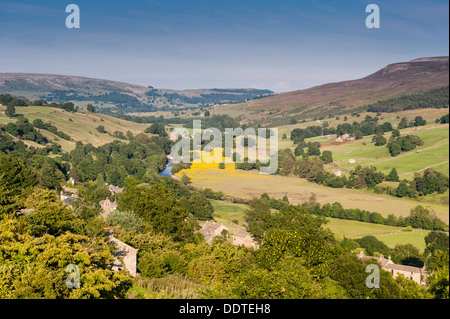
(114, 96)
(394, 80)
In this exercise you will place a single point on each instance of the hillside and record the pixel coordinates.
(395, 80)
(116, 97)
(80, 126)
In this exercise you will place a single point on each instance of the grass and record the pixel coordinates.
(408, 164)
(390, 235)
(354, 229)
(415, 238)
(225, 213)
(81, 125)
(252, 184)
(168, 287)
(433, 152)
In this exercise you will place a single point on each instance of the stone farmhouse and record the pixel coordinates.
(419, 275)
(243, 238)
(239, 238)
(211, 230)
(107, 207)
(114, 189)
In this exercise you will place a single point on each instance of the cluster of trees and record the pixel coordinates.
(23, 129)
(38, 123)
(443, 120)
(312, 169)
(13, 101)
(419, 217)
(429, 182)
(405, 254)
(436, 98)
(405, 123)
(313, 149)
(157, 128)
(48, 238)
(369, 126)
(9, 100)
(140, 158)
(400, 144)
(293, 238)
(299, 135)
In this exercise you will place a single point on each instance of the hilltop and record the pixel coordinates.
(393, 81)
(114, 97)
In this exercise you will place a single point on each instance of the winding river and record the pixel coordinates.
(168, 170)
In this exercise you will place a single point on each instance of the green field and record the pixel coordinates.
(415, 238)
(252, 184)
(225, 213)
(434, 153)
(390, 235)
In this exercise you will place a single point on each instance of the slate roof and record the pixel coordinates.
(241, 233)
(404, 268)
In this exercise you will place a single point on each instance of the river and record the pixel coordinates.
(168, 169)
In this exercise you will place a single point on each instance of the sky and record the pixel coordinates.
(280, 45)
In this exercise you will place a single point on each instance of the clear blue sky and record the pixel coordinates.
(281, 45)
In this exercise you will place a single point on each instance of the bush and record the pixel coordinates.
(101, 129)
(128, 221)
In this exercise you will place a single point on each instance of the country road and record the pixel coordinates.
(423, 169)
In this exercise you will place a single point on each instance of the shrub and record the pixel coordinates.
(101, 129)
(128, 221)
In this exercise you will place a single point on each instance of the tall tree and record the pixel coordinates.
(10, 111)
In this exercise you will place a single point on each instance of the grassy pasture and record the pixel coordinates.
(390, 235)
(81, 125)
(252, 184)
(225, 213)
(434, 153)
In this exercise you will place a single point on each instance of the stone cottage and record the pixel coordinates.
(114, 189)
(126, 257)
(243, 238)
(107, 207)
(211, 230)
(416, 274)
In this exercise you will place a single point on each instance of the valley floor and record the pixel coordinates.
(252, 184)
